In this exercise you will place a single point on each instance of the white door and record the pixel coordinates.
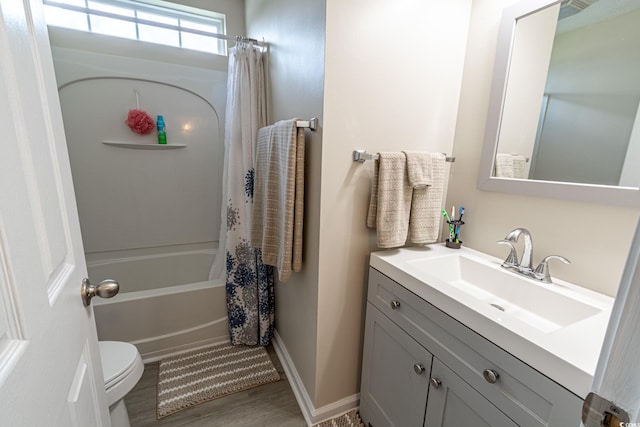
(617, 377)
(50, 372)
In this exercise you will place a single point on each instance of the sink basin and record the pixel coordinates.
(508, 296)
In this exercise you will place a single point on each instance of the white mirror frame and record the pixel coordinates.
(604, 194)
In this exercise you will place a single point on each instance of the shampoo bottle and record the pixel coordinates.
(162, 136)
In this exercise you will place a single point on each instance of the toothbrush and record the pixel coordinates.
(459, 222)
(446, 216)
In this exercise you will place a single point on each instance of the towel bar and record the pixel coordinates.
(362, 155)
(311, 123)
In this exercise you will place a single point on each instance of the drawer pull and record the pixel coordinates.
(436, 383)
(395, 304)
(418, 368)
(491, 376)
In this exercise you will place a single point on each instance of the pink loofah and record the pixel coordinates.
(140, 122)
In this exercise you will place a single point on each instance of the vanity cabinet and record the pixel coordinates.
(423, 367)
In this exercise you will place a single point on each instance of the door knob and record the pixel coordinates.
(105, 289)
(395, 304)
(418, 368)
(436, 382)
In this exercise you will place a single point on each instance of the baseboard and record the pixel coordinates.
(311, 414)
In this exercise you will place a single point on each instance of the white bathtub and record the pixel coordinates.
(165, 305)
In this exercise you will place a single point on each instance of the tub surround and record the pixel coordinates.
(568, 355)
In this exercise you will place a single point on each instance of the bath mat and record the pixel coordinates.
(350, 419)
(209, 373)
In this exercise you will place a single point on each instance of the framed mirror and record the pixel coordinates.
(563, 118)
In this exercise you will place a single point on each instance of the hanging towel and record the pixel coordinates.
(504, 166)
(278, 204)
(510, 166)
(426, 203)
(418, 168)
(519, 166)
(390, 202)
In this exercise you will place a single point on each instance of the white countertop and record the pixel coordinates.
(568, 356)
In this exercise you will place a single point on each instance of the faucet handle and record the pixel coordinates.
(512, 259)
(542, 270)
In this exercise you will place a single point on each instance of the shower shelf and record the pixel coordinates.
(141, 146)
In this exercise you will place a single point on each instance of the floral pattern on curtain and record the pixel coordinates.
(249, 283)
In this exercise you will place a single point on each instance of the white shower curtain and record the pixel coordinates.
(249, 283)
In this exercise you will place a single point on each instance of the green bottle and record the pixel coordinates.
(162, 135)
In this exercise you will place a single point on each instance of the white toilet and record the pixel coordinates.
(122, 368)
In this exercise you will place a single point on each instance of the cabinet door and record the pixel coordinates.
(395, 375)
(455, 403)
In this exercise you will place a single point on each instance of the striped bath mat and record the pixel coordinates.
(211, 372)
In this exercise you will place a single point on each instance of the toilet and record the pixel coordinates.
(122, 368)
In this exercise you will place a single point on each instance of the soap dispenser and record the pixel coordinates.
(162, 135)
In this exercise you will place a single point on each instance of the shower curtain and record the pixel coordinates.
(249, 283)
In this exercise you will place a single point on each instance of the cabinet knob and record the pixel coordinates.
(418, 368)
(395, 304)
(490, 375)
(436, 383)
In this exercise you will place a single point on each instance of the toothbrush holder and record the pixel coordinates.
(454, 241)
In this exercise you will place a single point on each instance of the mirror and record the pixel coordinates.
(563, 119)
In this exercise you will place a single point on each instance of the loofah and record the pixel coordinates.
(140, 122)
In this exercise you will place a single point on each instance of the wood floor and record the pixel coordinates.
(270, 405)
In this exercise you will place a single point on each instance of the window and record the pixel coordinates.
(154, 21)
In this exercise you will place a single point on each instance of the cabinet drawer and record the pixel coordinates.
(521, 392)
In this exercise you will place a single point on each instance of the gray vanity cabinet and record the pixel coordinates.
(453, 403)
(422, 367)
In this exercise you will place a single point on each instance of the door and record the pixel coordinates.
(395, 374)
(617, 377)
(454, 403)
(50, 371)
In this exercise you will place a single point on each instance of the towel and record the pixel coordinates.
(418, 168)
(278, 201)
(510, 166)
(390, 203)
(396, 209)
(426, 204)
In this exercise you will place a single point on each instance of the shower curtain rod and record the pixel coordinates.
(151, 23)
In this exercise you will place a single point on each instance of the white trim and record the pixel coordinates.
(311, 414)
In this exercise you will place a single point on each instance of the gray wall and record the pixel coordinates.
(295, 30)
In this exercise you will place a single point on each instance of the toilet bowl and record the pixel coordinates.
(122, 368)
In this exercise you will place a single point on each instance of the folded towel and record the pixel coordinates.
(390, 202)
(418, 168)
(426, 204)
(510, 166)
(278, 201)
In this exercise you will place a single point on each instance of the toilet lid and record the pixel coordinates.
(118, 358)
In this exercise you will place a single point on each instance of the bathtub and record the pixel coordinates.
(165, 306)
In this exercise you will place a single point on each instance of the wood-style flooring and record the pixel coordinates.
(269, 405)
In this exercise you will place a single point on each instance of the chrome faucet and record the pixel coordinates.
(523, 267)
(527, 255)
